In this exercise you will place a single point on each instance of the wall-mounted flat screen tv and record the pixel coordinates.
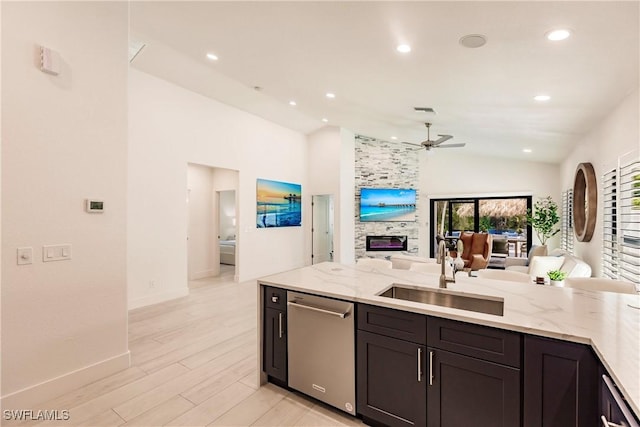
(387, 204)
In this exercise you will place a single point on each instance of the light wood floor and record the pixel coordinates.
(194, 364)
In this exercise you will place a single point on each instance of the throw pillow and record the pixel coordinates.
(541, 265)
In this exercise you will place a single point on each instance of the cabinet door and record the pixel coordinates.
(613, 409)
(275, 344)
(560, 384)
(464, 391)
(390, 381)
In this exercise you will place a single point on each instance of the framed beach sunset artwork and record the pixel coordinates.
(279, 204)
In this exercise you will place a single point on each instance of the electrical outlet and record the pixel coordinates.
(152, 284)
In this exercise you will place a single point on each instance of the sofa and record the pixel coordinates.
(404, 262)
(557, 259)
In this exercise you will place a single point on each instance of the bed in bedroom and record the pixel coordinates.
(227, 251)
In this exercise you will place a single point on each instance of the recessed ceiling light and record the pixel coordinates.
(557, 35)
(212, 56)
(325, 120)
(394, 137)
(542, 97)
(292, 103)
(330, 95)
(527, 150)
(473, 41)
(403, 48)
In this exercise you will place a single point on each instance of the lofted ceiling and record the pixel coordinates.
(270, 53)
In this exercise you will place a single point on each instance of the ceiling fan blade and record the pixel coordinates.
(450, 145)
(411, 143)
(442, 139)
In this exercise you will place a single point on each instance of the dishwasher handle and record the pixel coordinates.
(319, 310)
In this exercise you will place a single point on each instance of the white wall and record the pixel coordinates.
(170, 127)
(331, 171)
(617, 134)
(225, 181)
(347, 212)
(202, 228)
(227, 214)
(64, 138)
(454, 173)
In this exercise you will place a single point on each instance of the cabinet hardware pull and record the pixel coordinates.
(319, 310)
(419, 364)
(607, 423)
(279, 325)
(620, 402)
(431, 368)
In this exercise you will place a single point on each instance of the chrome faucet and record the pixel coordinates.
(442, 259)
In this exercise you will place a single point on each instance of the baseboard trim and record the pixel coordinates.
(204, 274)
(28, 397)
(157, 298)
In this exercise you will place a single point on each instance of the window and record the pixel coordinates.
(610, 227)
(495, 215)
(629, 222)
(566, 224)
(621, 224)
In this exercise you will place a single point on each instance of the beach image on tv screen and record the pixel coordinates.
(387, 204)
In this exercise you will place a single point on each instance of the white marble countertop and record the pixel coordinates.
(604, 320)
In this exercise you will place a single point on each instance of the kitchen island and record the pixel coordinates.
(608, 323)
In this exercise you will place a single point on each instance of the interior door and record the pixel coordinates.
(322, 229)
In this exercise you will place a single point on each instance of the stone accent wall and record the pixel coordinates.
(383, 164)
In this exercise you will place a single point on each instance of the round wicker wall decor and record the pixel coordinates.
(585, 202)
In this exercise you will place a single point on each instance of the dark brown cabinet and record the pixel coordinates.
(465, 391)
(474, 375)
(560, 384)
(468, 376)
(391, 384)
(275, 335)
(613, 408)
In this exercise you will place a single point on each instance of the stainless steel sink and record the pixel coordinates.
(446, 298)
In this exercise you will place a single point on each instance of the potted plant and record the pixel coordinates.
(485, 224)
(544, 219)
(556, 277)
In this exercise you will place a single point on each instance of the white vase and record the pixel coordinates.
(557, 283)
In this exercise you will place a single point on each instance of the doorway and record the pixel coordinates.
(227, 231)
(500, 216)
(212, 249)
(321, 228)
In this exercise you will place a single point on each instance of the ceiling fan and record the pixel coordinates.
(428, 144)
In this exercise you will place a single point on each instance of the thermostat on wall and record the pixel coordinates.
(94, 206)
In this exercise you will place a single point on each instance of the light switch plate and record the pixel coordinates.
(60, 252)
(49, 61)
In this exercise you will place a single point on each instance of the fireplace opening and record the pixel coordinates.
(387, 243)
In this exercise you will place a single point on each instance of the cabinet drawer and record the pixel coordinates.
(477, 341)
(393, 323)
(275, 298)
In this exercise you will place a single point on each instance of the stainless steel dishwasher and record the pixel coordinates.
(321, 349)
